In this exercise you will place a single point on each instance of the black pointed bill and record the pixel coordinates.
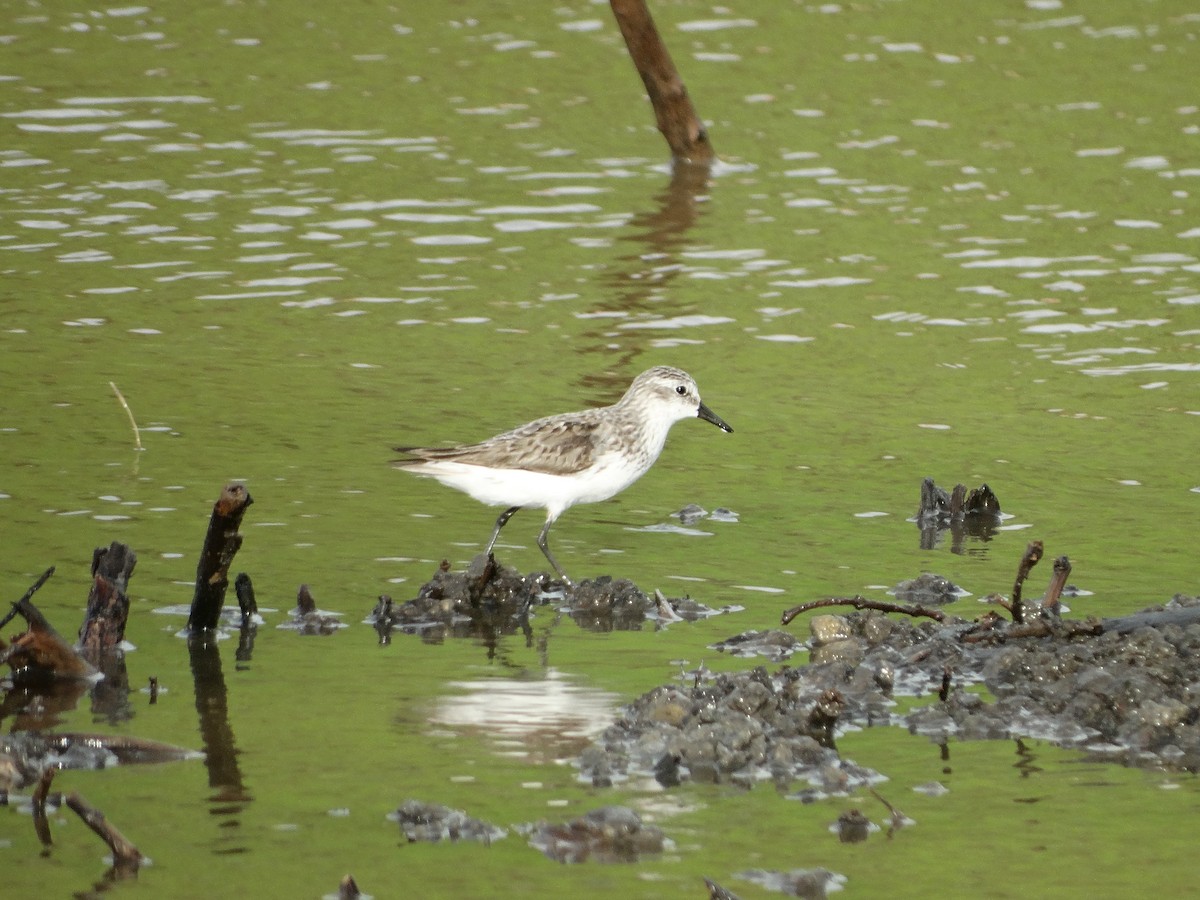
(709, 416)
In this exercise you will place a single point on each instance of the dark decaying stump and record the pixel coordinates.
(677, 119)
(108, 605)
(221, 544)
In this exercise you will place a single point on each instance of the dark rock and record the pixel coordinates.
(420, 821)
(609, 834)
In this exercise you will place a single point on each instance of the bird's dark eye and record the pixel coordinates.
(681, 390)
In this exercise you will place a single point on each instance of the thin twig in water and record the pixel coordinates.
(862, 603)
(137, 433)
(20, 604)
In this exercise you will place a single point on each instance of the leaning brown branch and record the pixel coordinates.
(677, 118)
(863, 603)
(126, 856)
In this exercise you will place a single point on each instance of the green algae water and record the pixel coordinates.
(950, 242)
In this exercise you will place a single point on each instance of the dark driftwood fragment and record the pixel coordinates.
(108, 605)
(863, 603)
(40, 654)
(244, 588)
(221, 543)
(249, 627)
(305, 602)
(125, 855)
(348, 888)
(1033, 553)
(673, 110)
(981, 501)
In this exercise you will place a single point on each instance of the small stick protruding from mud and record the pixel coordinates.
(137, 432)
(383, 619)
(1062, 569)
(944, 692)
(153, 689)
(125, 855)
(897, 817)
(863, 603)
(1033, 553)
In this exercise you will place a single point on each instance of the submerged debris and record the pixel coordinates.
(774, 644)
(976, 513)
(928, 588)
(811, 884)
(491, 599)
(853, 827)
(610, 834)
(26, 755)
(716, 892)
(432, 822)
(306, 618)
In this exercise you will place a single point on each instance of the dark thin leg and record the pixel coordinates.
(550, 556)
(500, 523)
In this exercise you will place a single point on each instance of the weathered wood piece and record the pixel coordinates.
(673, 110)
(126, 856)
(1033, 553)
(103, 625)
(244, 588)
(221, 544)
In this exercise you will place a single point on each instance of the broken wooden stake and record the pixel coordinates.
(221, 544)
(108, 605)
(1033, 553)
(1058, 581)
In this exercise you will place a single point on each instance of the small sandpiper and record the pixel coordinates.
(582, 457)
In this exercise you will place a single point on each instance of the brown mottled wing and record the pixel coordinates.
(559, 445)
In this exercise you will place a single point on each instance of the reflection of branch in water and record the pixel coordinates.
(220, 753)
(644, 275)
(679, 207)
